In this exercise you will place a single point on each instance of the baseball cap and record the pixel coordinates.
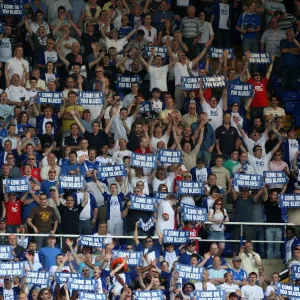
(51, 236)
(236, 258)
(187, 175)
(191, 242)
(53, 188)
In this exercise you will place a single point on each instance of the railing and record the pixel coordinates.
(241, 240)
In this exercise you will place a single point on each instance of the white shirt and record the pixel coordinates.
(86, 212)
(241, 121)
(229, 288)
(165, 208)
(144, 179)
(149, 37)
(14, 93)
(118, 156)
(293, 148)
(169, 180)
(154, 141)
(261, 142)
(82, 155)
(15, 67)
(252, 292)
(224, 15)
(206, 31)
(181, 70)
(34, 26)
(158, 77)
(115, 213)
(119, 129)
(215, 114)
(210, 286)
(104, 160)
(5, 50)
(260, 164)
(118, 44)
(50, 56)
(94, 190)
(70, 41)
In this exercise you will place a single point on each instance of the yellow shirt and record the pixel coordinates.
(67, 123)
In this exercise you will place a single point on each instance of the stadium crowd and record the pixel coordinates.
(72, 46)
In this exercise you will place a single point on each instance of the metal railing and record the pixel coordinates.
(241, 240)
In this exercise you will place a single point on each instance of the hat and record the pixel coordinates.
(86, 111)
(51, 236)
(191, 242)
(290, 129)
(233, 294)
(187, 175)
(53, 188)
(189, 283)
(236, 258)
(2, 220)
(118, 260)
(155, 90)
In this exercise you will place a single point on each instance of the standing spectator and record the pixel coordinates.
(291, 242)
(17, 249)
(190, 28)
(273, 233)
(207, 33)
(221, 21)
(166, 213)
(49, 253)
(286, 21)
(42, 219)
(252, 291)
(290, 49)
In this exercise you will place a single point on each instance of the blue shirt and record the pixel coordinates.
(107, 198)
(16, 291)
(238, 276)
(66, 168)
(246, 21)
(288, 59)
(209, 264)
(47, 184)
(49, 256)
(88, 166)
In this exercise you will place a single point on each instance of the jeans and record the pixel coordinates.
(289, 77)
(273, 249)
(223, 38)
(236, 235)
(216, 235)
(179, 98)
(206, 156)
(251, 45)
(86, 227)
(12, 228)
(41, 241)
(259, 235)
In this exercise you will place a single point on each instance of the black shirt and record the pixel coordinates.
(273, 212)
(67, 215)
(71, 141)
(226, 138)
(243, 210)
(88, 40)
(47, 140)
(96, 141)
(134, 141)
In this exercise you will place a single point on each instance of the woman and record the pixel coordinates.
(91, 13)
(22, 123)
(277, 164)
(166, 33)
(45, 293)
(207, 33)
(218, 216)
(65, 158)
(214, 193)
(50, 74)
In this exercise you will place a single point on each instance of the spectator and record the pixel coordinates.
(251, 291)
(228, 286)
(49, 252)
(251, 261)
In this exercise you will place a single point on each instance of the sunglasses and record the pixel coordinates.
(149, 241)
(256, 74)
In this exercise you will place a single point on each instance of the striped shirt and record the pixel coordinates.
(288, 23)
(190, 27)
(271, 38)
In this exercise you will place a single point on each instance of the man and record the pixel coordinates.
(290, 49)
(49, 253)
(66, 42)
(14, 171)
(286, 21)
(252, 291)
(251, 260)
(191, 116)
(273, 287)
(229, 286)
(16, 65)
(223, 175)
(243, 166)
(42, 219)
(138, 44)
(3, 238)
(273, 111)
(72, 165)
(249, 25)
(226, 136)
(150, 31)
(207, 261)
(185, 258)
(51, 159)
(191, 31)
(292, 242)
(9, 292)
(200, 172)
(74, 139)
(290, 147)
(232, 162)
(17, 249)
(16, 93)
(239, 275)
(216, 273)
(270, 8)
(205, 285)
(130, 97)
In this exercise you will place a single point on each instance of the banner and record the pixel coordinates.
(169, 156)
(91, 98)
(260, 58)
(172, 236)
(49, 97)
(111, 171)
(218, 53)
(275, 177)
(91, 240)
(209, 295)
(295, 272)
(148, 225)
(134, 257)
(143, 203)
(194, 213)
(17, 185)
(189, 272)
(82, 284)
(145, 107)
(190, 188)
(124, 82)
(149, 295)
(190, 83)
(37, 278)
(71, 182)
(161, 51)
(241, 90)
(6, 252)
(143, 160)
(289, 200)
(91, 296)
(12, 269)
(247, 180)
(161, 195)
(63, 277)
(288, 290)
(2, 27)
(11, 9)
(217, 81)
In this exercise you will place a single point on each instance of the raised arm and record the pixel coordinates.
(146, 65)
(73, 113)
(201, 54)
(270, 68)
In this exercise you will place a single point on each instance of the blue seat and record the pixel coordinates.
(291, 96)
(289, 106)
(296, 114)
(228, 246)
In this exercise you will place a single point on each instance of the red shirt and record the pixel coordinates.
(260, 97)
(139, 151)
(13, 212)
(194, 233)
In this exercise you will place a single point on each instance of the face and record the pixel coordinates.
(99, 72)
(237, 264)
(138, 129)
(15, 80)
(19, 52)
(216, 262)
(258, 153)
(73, 158)
(148, 243)
(50, 45)
(158, 61)
(213, 102)
(52, 174)
(113, 189)
(252, 278)
(96, 127)
(191, 12)
(74, 130)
